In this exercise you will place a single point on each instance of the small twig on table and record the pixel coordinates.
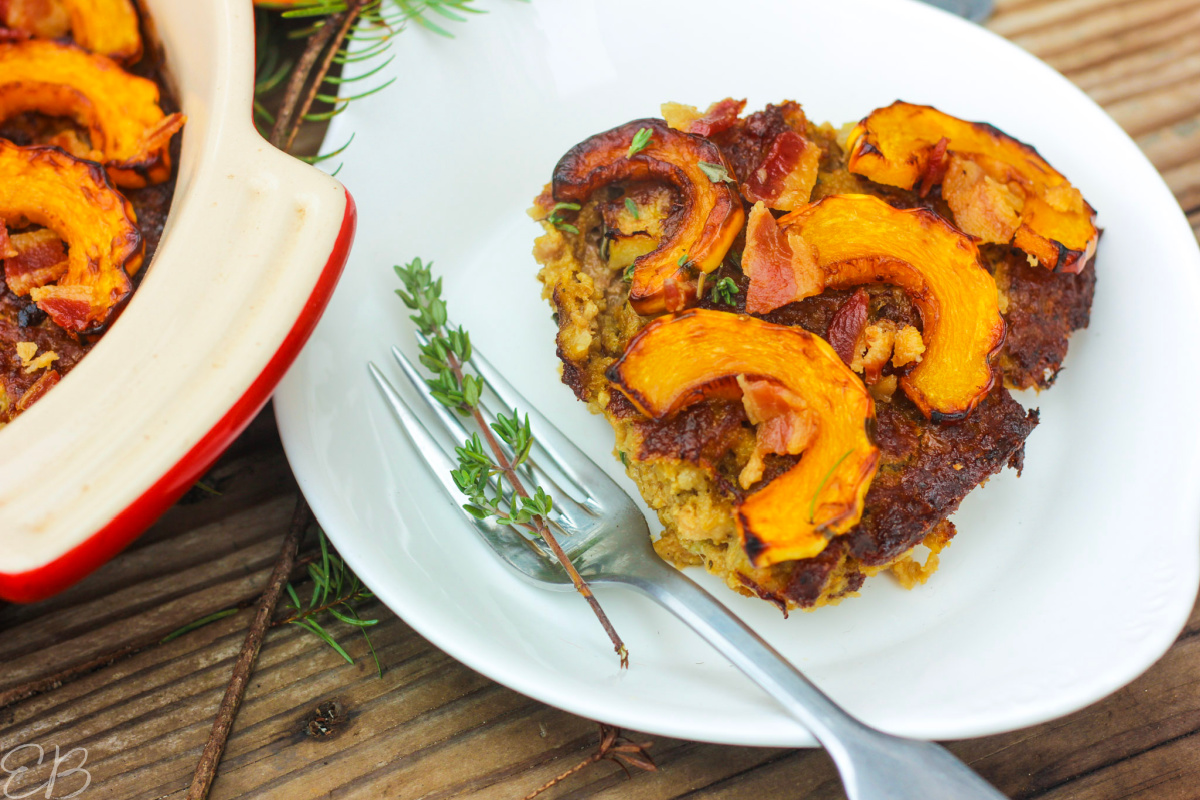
(206, 769)
(301, 93)
(615, 747)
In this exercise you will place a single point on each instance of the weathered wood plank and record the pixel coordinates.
(1011, 21)
(1102, 23)
(1120, 43)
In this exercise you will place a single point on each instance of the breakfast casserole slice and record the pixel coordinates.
(685, 256)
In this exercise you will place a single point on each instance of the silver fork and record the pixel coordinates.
(609, 542)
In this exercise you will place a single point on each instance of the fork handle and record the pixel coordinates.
(873, 765)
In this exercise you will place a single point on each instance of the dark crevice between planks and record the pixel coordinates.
(1101, 768)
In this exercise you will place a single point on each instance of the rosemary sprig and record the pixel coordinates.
(336, 590)
(632, 208)
(483, 471)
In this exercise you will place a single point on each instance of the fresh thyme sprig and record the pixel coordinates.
(641, 140)
(725, 292)
(558, 222)
(484, 470)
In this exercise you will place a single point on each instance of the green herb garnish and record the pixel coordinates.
(715, 172)
(640, 140)
(724, 291)
(632, 206)
(558, 222)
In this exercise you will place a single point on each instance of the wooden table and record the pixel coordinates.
(86, 670)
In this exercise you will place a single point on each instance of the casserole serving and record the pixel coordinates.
(248, 258)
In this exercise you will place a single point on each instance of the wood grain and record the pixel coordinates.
(85, 670)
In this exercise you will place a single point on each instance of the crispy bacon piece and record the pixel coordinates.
(986, 208)
(6, 246)
(786, 426)
(787, 174)
(847, 324)
(719, 117)
(935, 167)
(36, 259)
(780, 266)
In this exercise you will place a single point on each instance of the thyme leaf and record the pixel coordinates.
(724, 292)
(641, 140)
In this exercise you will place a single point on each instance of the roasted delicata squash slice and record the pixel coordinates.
(106, 27)
(73, 198)
(129, 133)
(696, 237)
(680, 359)
(999, 188)
(845, 241)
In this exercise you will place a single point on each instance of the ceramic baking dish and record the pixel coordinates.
(253, 246)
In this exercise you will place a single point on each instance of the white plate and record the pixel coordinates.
(1062, 586)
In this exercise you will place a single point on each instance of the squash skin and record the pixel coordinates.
(893, 146)
(73, 198)
(106, 27)
(695, 239)
(859, 239)
(683, 358)
(128, 130)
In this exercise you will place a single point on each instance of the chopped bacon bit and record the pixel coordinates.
(846, 326)
(782, 268)
(785, 424)
(6, 246)
(787, 174)
(674, 295)
(935, 167)
(35, 392)
(983, 206)
(39, 258)
(69, 306)
(720, 116)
